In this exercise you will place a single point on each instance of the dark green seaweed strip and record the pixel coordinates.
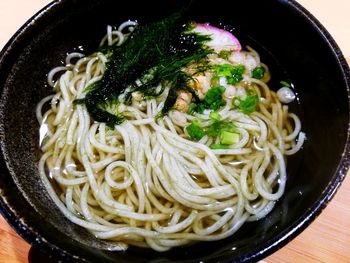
(163, 47)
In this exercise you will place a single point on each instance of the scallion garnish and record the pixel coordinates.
(285, 84)
(258, 72)
(248, 105)
(195, 131)
(229, 137)
(233, 74)
(215, 116)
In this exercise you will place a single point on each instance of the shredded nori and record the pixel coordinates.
(162, 48)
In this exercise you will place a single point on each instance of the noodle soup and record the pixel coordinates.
(167, 135)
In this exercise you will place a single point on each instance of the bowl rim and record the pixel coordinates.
(259, 252)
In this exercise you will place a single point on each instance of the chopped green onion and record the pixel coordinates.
(223, 70)
(229, 137)
(233, 74)
(197, 122)
(219, 146)
(237, 75)
(248, 105)
(214, 129)
(217, 127)
(195, 131)
(258, 72)
(200, 108)
(213, 98)
(215, 116)
(285, 84)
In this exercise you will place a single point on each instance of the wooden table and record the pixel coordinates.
(327, 239)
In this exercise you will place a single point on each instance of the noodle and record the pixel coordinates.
(145, 182)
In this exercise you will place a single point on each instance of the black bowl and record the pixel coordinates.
(291, 41)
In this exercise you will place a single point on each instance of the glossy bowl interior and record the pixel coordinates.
(290, 41)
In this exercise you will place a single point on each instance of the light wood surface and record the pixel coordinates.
(327, 239)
